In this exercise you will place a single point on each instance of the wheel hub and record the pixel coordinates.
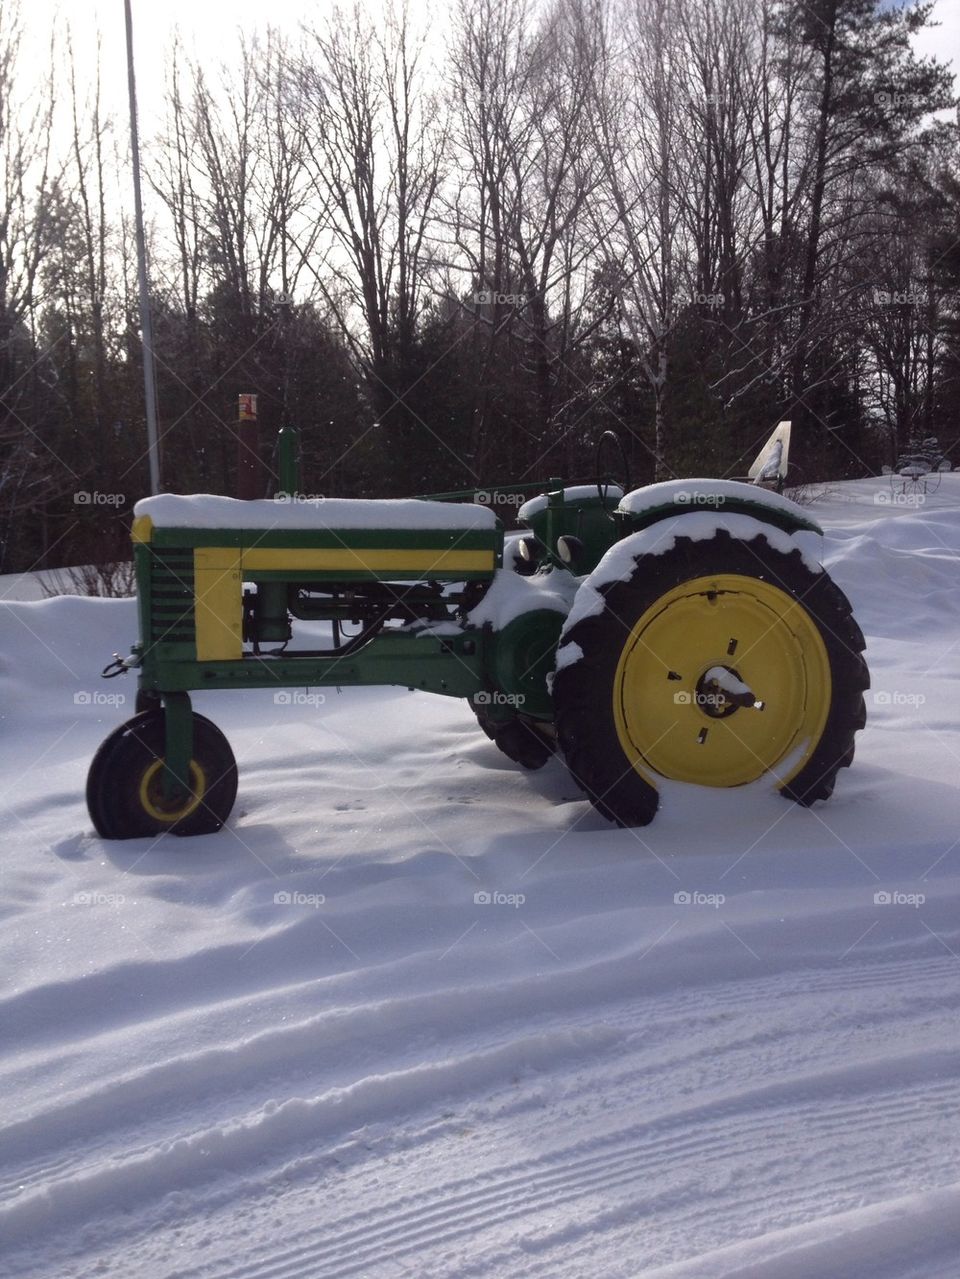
(717, 694)
(166, 808)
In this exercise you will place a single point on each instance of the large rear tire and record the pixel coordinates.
(521, 739)
(718, 662)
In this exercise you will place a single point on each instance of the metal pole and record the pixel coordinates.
(146, 322)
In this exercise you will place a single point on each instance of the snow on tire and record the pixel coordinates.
(718, 662)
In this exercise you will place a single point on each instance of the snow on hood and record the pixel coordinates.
(210, 511)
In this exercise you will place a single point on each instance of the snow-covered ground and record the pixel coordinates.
(418, 1013)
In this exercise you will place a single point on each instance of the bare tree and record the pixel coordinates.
(638, 116)
(526, 166)
(174, 180)
(373, 140)
(89, 135)
(31, 472)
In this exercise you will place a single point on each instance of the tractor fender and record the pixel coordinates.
(646, 506)
(523, 655)
(522, 618)
(659, 536)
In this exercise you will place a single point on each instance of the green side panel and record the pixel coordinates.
(436, 541)
(179, 537)
(307, 577)
(450, 665)
(334, 539)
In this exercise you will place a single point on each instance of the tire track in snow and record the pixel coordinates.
(196, 1159)
(94, 1120)
(684, 1148)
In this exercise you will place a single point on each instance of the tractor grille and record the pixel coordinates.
(171, 596)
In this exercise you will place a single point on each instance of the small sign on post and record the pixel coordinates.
(249, 470)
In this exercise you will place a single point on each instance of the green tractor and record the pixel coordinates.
(682, 631)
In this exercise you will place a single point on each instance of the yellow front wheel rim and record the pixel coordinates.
(154, 802)
(761, 635)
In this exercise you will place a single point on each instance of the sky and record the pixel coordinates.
(208, 24)
(208, 27)
(943, 42)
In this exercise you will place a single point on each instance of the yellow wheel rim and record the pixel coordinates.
(672, 724)
(155, 803)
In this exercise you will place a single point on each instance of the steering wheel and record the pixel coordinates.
(603, 482)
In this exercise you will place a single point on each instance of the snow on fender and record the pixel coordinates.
(620, 561)
(695, 494)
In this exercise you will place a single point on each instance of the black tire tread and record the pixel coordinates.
(582, 691)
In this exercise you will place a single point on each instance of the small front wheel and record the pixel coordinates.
(125, 792)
